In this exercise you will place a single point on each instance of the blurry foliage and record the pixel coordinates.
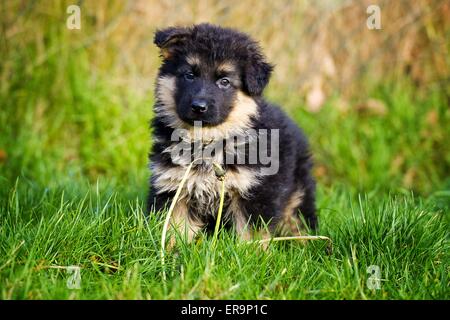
(374, 102)
(315, 45)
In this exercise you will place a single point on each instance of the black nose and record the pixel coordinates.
(199, 106)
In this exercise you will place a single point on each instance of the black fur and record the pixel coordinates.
(213, 45)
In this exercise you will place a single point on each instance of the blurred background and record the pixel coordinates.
(75, 104)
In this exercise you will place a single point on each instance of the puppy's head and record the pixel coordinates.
(209, 74)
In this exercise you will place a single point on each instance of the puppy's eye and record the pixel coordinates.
(189, 76)
(223, 83)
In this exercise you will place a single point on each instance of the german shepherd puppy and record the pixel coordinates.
(209, 100)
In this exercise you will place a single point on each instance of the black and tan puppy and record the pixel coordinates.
(209, 101)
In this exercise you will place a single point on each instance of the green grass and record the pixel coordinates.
(95, 227)
(73, 181)
(73, 185)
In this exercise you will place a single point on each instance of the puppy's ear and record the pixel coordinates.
(257, 75)
(170, 39)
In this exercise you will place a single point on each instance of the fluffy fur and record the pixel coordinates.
(217, 76)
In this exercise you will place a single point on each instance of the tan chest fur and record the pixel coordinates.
(202, 185)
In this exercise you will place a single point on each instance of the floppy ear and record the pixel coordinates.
(168, 40)
(257, 75)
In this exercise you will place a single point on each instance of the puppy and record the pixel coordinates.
(209, 110)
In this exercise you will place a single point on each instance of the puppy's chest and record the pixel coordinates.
(202, 187)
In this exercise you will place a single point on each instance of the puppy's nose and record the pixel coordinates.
(199, 106)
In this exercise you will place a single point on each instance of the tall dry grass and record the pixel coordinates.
(319, 47)
(77, 101)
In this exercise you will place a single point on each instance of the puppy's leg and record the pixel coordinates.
(258, 217)
(239, 218)
(180, 221)
(243, 225)
(289, 223)
(307, 186)
(183, 223)
(301, 202)
(308, 204)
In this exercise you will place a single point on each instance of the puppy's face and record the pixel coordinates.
(207, 73)
(205, 92)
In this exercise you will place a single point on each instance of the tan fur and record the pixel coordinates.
(226, 67)
(165, 106)
(240, 221)
(183, 223)
(166, 54)
(202, 183)
(236, 123)
(193, 60)
(291, 224)
(238, 120)
(203, 188)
